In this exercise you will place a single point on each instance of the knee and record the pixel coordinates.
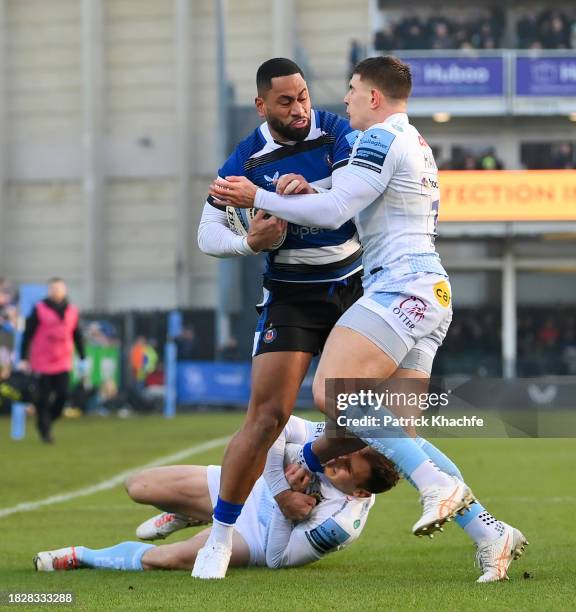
(267, 421)
(137, 487)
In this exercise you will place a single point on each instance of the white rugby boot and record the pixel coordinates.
(494, 557)
(162, 525)
(54, 560)
(212, 561)
(441, 505)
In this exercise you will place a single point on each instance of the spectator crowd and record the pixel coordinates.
(479, 29)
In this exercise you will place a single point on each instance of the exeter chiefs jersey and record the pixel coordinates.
(309, 254)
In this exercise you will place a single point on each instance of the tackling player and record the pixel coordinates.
(262, 535)
(390, 187)
(309, 281)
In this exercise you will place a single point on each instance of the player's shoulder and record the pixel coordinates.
(251, 144)
(331, 123)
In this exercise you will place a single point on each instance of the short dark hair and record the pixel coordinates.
(55, 279)
(383, 474)
(389, 74)
(275, 67)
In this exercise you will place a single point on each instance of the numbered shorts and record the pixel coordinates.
(408, 324)
(254, 518)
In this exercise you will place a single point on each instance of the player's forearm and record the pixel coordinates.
(328, 210)
(215, 238)
(274, 469)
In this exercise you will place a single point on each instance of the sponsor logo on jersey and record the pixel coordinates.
(410, 311)
(270, 335)
(327, 536)
(429, 183)
(442, 294)
(272, 180)
(422, 142)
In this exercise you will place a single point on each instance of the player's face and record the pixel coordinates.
(358, 103)
(346, 472)
(57, 291)
(286, 107)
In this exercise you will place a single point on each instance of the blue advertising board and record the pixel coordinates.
(435, 77)
(546, 76)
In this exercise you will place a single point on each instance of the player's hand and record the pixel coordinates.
(235, 191)
(265, 231)
(293, 184)
(295, 506)
(298, 477)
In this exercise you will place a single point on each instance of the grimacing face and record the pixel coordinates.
(286, 107)
(346, 473)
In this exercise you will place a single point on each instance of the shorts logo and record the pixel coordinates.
(410, 311)
(270, 336)
(442, 294)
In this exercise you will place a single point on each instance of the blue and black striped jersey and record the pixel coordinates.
(309, 254)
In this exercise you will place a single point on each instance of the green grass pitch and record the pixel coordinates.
(526, 482)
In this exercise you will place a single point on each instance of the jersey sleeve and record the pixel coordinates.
(291, 545)
(233, 166)
(374, 159)
(297, 431)
(215, 238)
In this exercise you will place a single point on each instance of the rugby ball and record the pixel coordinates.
(239, 221)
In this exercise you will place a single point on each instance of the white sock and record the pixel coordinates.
(428, 474)
(221, 533)
(484, 528)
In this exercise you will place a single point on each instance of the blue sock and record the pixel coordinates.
(439, 458)
(475, 510)
(125, 556)
(226, 512)
(312, 461)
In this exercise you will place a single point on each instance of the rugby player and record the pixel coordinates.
(308, 282)
(339, 501)
(390, 188)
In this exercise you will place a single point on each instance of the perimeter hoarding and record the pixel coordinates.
(508, 195)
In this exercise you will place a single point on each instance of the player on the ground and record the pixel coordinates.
(308, 283)
(338, 501)
(390, 187)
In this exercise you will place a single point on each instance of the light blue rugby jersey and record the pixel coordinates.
(309, 254)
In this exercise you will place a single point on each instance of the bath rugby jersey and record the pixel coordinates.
(309, 254)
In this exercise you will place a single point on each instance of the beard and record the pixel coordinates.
(290, 133)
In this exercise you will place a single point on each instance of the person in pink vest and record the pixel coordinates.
(48, 343)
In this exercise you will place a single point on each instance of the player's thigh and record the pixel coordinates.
(182, 555)
(182, 485)
(350, 354)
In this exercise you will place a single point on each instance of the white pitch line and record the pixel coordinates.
(115, 480)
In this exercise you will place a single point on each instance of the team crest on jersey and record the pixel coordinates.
(272, 180)
(356, 523)
(270, 335)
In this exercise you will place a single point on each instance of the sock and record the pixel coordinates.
(225, 516)
(124, 556)
(226, 512)
(312, 461)
(479, 524)
(439, 458)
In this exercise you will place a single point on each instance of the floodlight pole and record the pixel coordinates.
(3, 135)
(92, 129)
(509, 334)
(228, 269)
